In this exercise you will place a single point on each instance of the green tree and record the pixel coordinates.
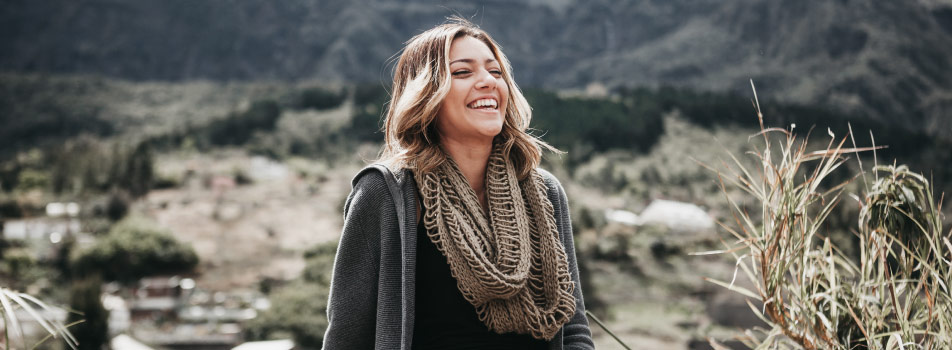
(16, 265)
(85, 297)
(237, 128)
(135, 248)
(118, 205)
(370, 102)
(139, 171)
(320, 98)
(30, 179)
(631, 122)
(299, 309)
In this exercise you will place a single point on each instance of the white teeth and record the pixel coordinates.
(483, 103)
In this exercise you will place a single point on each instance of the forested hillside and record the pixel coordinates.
(883, 60)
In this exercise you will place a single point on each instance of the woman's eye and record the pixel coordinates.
(460, 72)
(496, 72)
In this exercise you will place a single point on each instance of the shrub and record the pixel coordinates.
(166, 182)
(9, 208)
(319, 98)
(16, 263)
(369, 109)
(299, 309)
(117, 206)
(319, 259)
(237, 128)
(30, 179)
(134, 248)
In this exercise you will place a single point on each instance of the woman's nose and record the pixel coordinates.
(486, 80)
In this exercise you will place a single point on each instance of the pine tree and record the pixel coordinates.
(93, 332)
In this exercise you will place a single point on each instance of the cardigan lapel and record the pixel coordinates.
(408, 229)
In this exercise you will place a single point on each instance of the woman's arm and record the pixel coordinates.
(352, 305)
(576, 334)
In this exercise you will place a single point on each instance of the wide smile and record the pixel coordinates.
(484, 104)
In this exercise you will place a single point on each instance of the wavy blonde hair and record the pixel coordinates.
(422, 80)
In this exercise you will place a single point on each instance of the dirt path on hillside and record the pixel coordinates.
(245, 233)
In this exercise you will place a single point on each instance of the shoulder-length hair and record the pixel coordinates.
(422, 80)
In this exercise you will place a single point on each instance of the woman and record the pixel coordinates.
(466, 244)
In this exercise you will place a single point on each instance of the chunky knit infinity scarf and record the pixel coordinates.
(512, 267)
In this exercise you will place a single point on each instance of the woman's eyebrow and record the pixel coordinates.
(470, 60)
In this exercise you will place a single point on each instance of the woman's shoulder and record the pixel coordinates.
(370, 178)
(380, 181)
(551, 182)
(374, 182)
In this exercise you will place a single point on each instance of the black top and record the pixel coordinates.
(444, 319)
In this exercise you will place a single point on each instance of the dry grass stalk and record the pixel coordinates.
(813, 296)
(10, 300)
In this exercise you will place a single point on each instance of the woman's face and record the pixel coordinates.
(475, 107)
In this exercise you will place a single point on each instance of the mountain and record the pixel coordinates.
(883, 59)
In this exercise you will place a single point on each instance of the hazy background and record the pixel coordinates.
(208, 146)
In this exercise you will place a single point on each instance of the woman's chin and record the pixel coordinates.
(491, 131)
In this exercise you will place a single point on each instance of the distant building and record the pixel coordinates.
(283, 344)
(125, 342)
(40, 228)
(119, 316)
(163, 314)
(156, 298)
(677, 216)
(172, 313)
(57, 209)
(44, 234)
(194, 337)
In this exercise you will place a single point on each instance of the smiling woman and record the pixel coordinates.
(456, 239)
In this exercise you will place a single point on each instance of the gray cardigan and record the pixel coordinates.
(371, 303)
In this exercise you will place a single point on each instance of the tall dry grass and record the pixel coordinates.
(808, 292)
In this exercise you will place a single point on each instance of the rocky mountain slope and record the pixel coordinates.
(887, 60)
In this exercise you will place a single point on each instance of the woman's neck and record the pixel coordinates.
(472, 159)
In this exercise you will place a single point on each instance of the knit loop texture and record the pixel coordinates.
(512, 266)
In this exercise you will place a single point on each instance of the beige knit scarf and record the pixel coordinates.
(511, 267)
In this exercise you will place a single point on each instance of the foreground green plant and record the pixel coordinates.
(10, 300)
(896, 296)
